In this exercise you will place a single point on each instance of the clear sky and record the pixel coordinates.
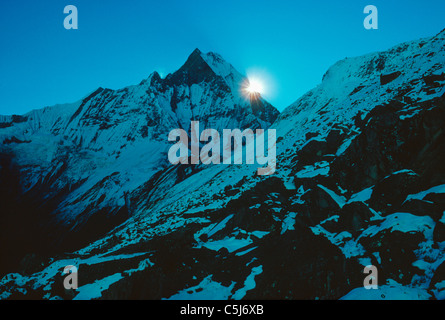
(290, 42)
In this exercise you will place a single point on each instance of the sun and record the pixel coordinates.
(253, 87)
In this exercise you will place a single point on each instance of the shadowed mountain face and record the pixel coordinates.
(359, 181)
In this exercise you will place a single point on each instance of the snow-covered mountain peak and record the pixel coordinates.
(112, 141)
(208, 67)
(194, 71)
(233, 78)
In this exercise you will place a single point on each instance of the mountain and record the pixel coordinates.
(359, 181)
(67, 170)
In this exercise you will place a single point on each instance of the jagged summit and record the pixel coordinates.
(207, 67)
(194, 71)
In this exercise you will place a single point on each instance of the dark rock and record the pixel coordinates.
(318, 206)
(439, 275)
(354, 217)
(439, 232)
(368, 152)
(334, 140)
(229, 191)
(302, 268)
(19, 119)
(312, 152)
(387, 144)
(396, 250)
(311, 135)
(14, 139)
(389, 193)
(387, 78)
(433, 79)
(422, 208)
(31, 263)
(436, 198)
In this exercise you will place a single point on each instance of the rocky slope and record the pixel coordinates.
(360, 180)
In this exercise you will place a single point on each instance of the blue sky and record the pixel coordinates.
(119, 43)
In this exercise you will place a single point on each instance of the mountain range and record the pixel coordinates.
(359, 181)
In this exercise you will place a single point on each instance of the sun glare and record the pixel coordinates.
(254, 86)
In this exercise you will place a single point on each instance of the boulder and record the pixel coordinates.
(390, 192)
(354, 217)
(318, 206)
(396, 251)
(422, 208)
(311, 153)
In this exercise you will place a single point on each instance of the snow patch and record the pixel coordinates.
(388, 292)
(206, 290)
(423, 194)
(249, 283)
(94, 290)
